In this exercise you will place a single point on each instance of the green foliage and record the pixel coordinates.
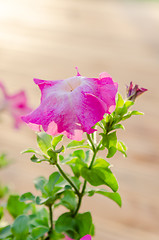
(44, 141)
(39, 231)
(75, 227)
(77, 144)
(20, 227)
(100, 174)
(69, 200)
(3, 160)
(1, 212)
(5, 232)
(56, 140)
(27, 197)
(111, 195)
(3, 190)
(15, 207)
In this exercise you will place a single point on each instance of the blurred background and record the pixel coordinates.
(46, 39)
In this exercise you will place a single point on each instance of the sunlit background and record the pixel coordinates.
(47, 39)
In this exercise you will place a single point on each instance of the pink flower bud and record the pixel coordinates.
(134, 92)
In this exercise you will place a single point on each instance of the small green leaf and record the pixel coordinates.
(75, 144)
(120, 101)
(3, 160)
(39, 183)
(27, 197)
(37, 160)
(56, 140)
(39, 231)
(76, 164)
(44, 141)
(122, 148)
(129, 103)
(1, 212)
(84, 223)
(5, 232)
(30, 150)
(79, 153)
(3, 191)
(118, 126)
(53, 179)
(76, 181)
(20, 227)
(65, 223)
(15, 207)
(111, 152)
(100, 176)
(69, 200)
(137, 113)
(112, 195)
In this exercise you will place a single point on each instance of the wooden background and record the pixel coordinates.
(46, 39)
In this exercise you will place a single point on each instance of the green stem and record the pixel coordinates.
(67, 179)
(95, 150)
(51, 219)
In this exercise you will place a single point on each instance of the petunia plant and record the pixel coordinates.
(89, 112)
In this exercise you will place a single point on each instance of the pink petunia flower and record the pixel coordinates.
(74, 105)
(87, 237)
(134, 92)
(15, 104)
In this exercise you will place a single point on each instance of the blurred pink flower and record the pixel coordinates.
(87, 237)
(15, 104)
(134, 92)
(74, 105)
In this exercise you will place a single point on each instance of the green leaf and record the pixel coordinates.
(122, 148)
(101, 163)
(15, 207)
(112, 195)
(111, 152)
(27, 197)
(53, 179)
(129, 114)
(3, 191)
(109, 140)
(69, 200)
(118, 126)
(56, 140)
(5, 232)
(137, 113)
(120, 101)
(75, 144)
(20, 227)
(65, 223)
(100, 175)
(76, 164)
(79, 153)
(30, 150)
(44, 141)
(46, 201)
(1, 212)
(39, 183)
(37, 160)
(3, 160)
(39, 231)
(84, 223)
(77, 182)
(53, 156)
(129, 103)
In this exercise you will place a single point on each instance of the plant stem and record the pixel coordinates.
(51, 219)
(95, 150)
(67, 179)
